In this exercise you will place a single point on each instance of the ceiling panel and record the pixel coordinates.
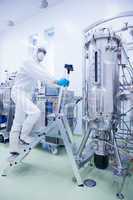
(20, 10)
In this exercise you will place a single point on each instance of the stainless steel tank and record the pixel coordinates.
(101, 78)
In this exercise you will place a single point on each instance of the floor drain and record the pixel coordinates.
(89, 183)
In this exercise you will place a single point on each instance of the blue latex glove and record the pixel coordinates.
(63, 82)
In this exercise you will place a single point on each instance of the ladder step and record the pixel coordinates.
(18, 159)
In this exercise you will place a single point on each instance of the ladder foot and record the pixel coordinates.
(82, 185)
(3, 175)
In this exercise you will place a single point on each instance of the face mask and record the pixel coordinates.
(40, 56)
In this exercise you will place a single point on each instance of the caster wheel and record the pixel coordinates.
(1, 139)
(6, 141)
(120, 196)
(54, 151)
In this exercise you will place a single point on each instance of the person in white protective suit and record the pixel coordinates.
(26, 112)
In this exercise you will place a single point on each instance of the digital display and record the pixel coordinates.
(51, 91)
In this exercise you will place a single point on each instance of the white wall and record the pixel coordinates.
(69, 20)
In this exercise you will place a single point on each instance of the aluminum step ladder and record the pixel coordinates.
(62, 124)
(24, 152)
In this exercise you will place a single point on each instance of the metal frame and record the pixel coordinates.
(118, 150)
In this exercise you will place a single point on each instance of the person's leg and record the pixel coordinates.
(32, 115)
(16, 128)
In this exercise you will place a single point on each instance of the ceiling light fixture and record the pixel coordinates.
(10, 23)
(44, 4)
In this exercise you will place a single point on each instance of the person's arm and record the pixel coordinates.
(38, 73)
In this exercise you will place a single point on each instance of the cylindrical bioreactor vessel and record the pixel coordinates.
(101, 78)
(100, 89)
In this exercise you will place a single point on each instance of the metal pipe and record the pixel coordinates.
(120, 15)
(83, 143)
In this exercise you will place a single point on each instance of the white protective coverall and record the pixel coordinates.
(26, 113)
